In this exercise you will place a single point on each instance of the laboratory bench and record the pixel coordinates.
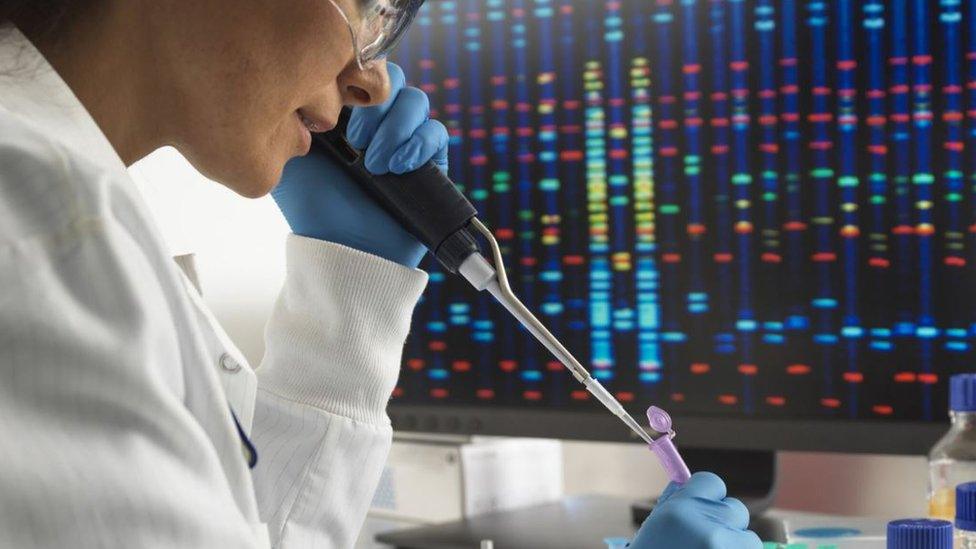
(579, 522)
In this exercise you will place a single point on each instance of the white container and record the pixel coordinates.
(827, 530)
(430, 480)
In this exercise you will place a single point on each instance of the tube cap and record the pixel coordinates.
(962, 393)
(966, 506)
(919, 534)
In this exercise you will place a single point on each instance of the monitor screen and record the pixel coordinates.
(737, 209)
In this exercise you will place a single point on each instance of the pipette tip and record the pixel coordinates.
(635, 427)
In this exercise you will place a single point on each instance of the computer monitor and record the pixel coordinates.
(759, 215)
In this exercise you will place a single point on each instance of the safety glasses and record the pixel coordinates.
(379, 27)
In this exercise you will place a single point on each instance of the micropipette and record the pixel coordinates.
(476, 270)
(429, 205)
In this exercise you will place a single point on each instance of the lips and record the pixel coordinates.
(314, 122)
(304, 135)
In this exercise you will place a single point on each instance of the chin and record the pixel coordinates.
(249, 167)
(253, 179)
(257, 187)
(256, 190)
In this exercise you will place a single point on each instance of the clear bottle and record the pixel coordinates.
(966, 516)
(952, 460)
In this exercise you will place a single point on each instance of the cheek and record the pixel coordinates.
(242, 128)
(245, 162)
(259, 164)
(250, 136)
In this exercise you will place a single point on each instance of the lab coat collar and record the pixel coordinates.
(32, 90)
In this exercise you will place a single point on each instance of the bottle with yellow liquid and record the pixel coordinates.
(953, 459)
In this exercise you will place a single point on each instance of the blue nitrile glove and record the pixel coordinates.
(320, 201)
(697, 515)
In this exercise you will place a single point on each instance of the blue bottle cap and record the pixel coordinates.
(962, 393)
(966, 506)
(919, 534)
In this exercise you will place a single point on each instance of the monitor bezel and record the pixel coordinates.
(804, 435)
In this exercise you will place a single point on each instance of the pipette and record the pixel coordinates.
(476, 270)
(429, 205)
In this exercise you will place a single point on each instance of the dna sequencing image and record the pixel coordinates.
(729, 208)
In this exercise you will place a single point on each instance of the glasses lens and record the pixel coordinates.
(384, 25)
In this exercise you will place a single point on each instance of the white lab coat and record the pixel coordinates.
(117, 386)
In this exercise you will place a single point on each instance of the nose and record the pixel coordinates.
(363, 88)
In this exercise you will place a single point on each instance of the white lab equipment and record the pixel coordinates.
(429, 480)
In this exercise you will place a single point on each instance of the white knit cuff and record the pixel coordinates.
(335, 338)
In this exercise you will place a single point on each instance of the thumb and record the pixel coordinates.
(669, 491)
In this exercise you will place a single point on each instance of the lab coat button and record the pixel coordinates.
(228, 363)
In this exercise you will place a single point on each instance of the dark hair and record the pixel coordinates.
(38, 17)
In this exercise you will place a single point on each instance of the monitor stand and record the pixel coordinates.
(750, 476)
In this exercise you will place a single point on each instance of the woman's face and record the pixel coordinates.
(246, 74)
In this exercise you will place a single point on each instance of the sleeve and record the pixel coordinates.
(334, 343)
(96, 446)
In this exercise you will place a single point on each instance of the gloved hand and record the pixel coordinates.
(320, 201)
(697, 515)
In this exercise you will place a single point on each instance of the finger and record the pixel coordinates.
(297, 173)
(429, 142)
(746, 539)
(705, 486)
(671, 489)
(366, 120)
(727, 538)
(736, 514)
(411, 110)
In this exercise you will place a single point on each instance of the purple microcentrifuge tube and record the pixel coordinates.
(664, 448)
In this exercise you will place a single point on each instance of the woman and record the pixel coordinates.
(128, 418)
